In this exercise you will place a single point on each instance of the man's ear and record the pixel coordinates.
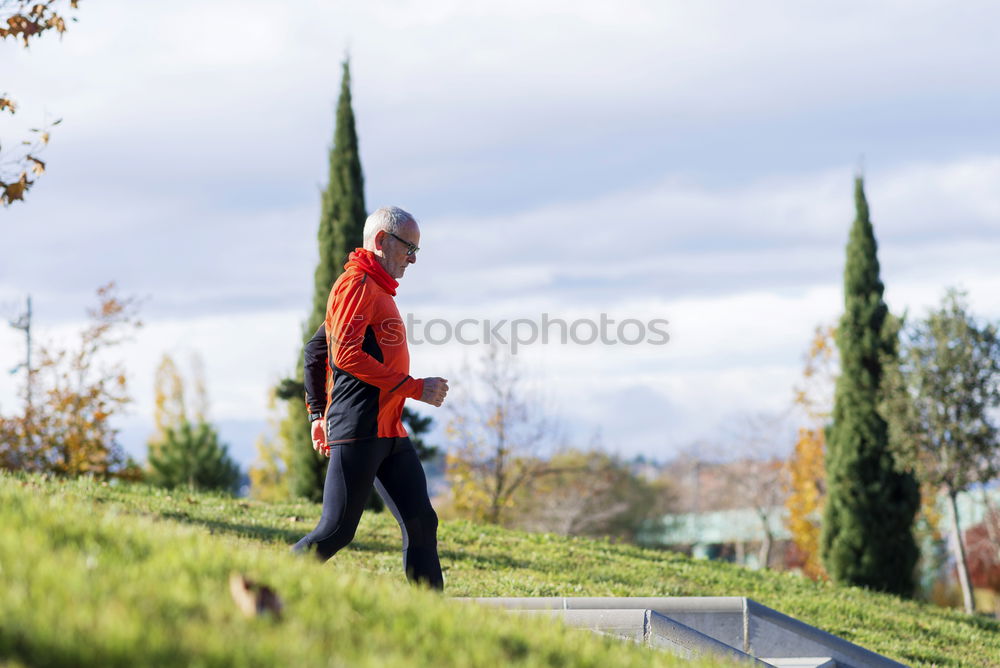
(379, 239)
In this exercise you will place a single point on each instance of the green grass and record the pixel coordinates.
(120, 575)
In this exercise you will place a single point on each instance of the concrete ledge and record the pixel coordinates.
(803, 662)
(648, 628)
(735, 621)
(772, 633)
(720, 617)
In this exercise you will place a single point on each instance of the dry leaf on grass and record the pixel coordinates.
(253, 598)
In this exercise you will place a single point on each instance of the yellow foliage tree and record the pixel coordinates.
(69, 430)
(806, 477)
(484, 474)
(268, 479)
(168, 401)
(497, 432)
(171, 402)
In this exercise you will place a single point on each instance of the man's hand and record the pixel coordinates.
(435, 390)
(319, 436)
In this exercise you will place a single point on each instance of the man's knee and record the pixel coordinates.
(334, 541)
(422, 529)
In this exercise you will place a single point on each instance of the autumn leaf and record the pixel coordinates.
(17, 23)
(37, 166)
(252, 598)
(8, 104)
(56, 22)
(15, 191)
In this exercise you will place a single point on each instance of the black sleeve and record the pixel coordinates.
(315, 371)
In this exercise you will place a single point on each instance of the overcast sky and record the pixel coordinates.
(685, 161)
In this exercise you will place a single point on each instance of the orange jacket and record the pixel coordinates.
(368, 359)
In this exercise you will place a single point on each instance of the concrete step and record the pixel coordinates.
(802, 662)
(649, 628)
(737, 622)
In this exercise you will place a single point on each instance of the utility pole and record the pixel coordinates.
(23, 322)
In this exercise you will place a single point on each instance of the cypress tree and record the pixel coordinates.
(342, 220)
(867, 537)
(341, 226)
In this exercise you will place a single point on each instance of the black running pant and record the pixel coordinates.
(392, 465)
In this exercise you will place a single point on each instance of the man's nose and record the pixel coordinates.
(411, 258)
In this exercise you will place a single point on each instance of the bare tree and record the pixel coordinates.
(758, 479)
(698, 478)
(498, 430)
(740, 470)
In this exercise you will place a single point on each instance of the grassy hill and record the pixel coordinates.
(118, 575)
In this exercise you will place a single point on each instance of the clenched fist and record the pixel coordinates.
(319, 436)
(435, 390)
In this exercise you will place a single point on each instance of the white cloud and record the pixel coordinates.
(676, 239)
(451, 92)
(646, 159)
(733, 347)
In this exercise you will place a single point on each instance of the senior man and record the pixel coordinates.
(357, 379)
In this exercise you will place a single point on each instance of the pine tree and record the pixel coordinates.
(191, 455)
(341, 227)
(867, 537)
(417, 426)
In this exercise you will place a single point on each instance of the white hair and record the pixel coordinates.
(389, 219)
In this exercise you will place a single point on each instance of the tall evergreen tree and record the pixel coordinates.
(341, 225)
(867, 537)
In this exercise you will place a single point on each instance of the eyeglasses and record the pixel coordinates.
(410, 248)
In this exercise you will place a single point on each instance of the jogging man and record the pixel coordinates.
(357, 379)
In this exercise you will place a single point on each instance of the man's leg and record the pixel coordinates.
(349, 476)
(403, 486)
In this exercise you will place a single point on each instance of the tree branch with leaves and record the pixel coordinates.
(24, 21)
